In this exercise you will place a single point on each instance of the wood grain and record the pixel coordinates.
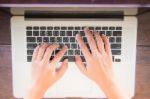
(4, 29)
(143, 37)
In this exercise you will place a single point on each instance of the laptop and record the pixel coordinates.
(59, 24)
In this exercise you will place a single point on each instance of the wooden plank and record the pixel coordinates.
(143, 36)
(5, 73)
(143, 73)
(4, 29)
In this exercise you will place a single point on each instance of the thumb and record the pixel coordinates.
(62, 69)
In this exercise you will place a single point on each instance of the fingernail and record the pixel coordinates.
(77, 35)
(103, 35)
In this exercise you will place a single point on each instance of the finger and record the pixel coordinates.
(99, 42)
(90, 39)
(62, 69)
(107, 45)
(49, 51)
(35, 53)
(42, 51)
(83, 46)
(80, 64)
(59, 55)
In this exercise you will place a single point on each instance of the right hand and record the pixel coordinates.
(99, 64)
(99, 61)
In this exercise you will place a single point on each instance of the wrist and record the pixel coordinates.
(112, 90)
(34, 92)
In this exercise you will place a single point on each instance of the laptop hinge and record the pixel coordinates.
(117, 15)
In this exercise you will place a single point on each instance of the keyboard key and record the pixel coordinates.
(77, 52)
(77, 28)
(118, 39)
(116, 52)
(49, 33)
(112, 28)
(61, 45)
(108, 33)
(35, 28)
(30, 52)
(118, 28)
(97, 28)
(68, 33)
(91, 28)
(39, 39)
(70, 28)
(56, 28)
(43, 28)
(49, 28)
(63, 58)
(75, 32)
(117, 60)
(29, 33)
(84, 39)
(117, 33)
(52, 39)
(71, 58)
(70, 52)
(29, 28)
(65, 39)
(31, 39)
(72, 39)
(42, 33)
(55, 33)
(31, 46)
(68, 45)
(63, 28)
(82, 33)
(35, 33)
(113, 58)
(105, 28)
(62, 33)
(102, 32)
(116, 46)
(82, 28)
(29, 58)
(111, 39)
(73, 46)
(46, 39)
(59, 39)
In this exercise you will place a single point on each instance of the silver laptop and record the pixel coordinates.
(32, 26)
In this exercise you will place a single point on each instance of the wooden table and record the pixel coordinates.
(142, 62)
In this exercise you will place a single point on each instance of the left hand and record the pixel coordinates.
(44, 73)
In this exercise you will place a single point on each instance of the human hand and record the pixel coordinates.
(98, 63)
(44, 72)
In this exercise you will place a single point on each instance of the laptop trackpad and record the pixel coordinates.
(73, 83)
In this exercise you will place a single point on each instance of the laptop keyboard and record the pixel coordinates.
(65, 35)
